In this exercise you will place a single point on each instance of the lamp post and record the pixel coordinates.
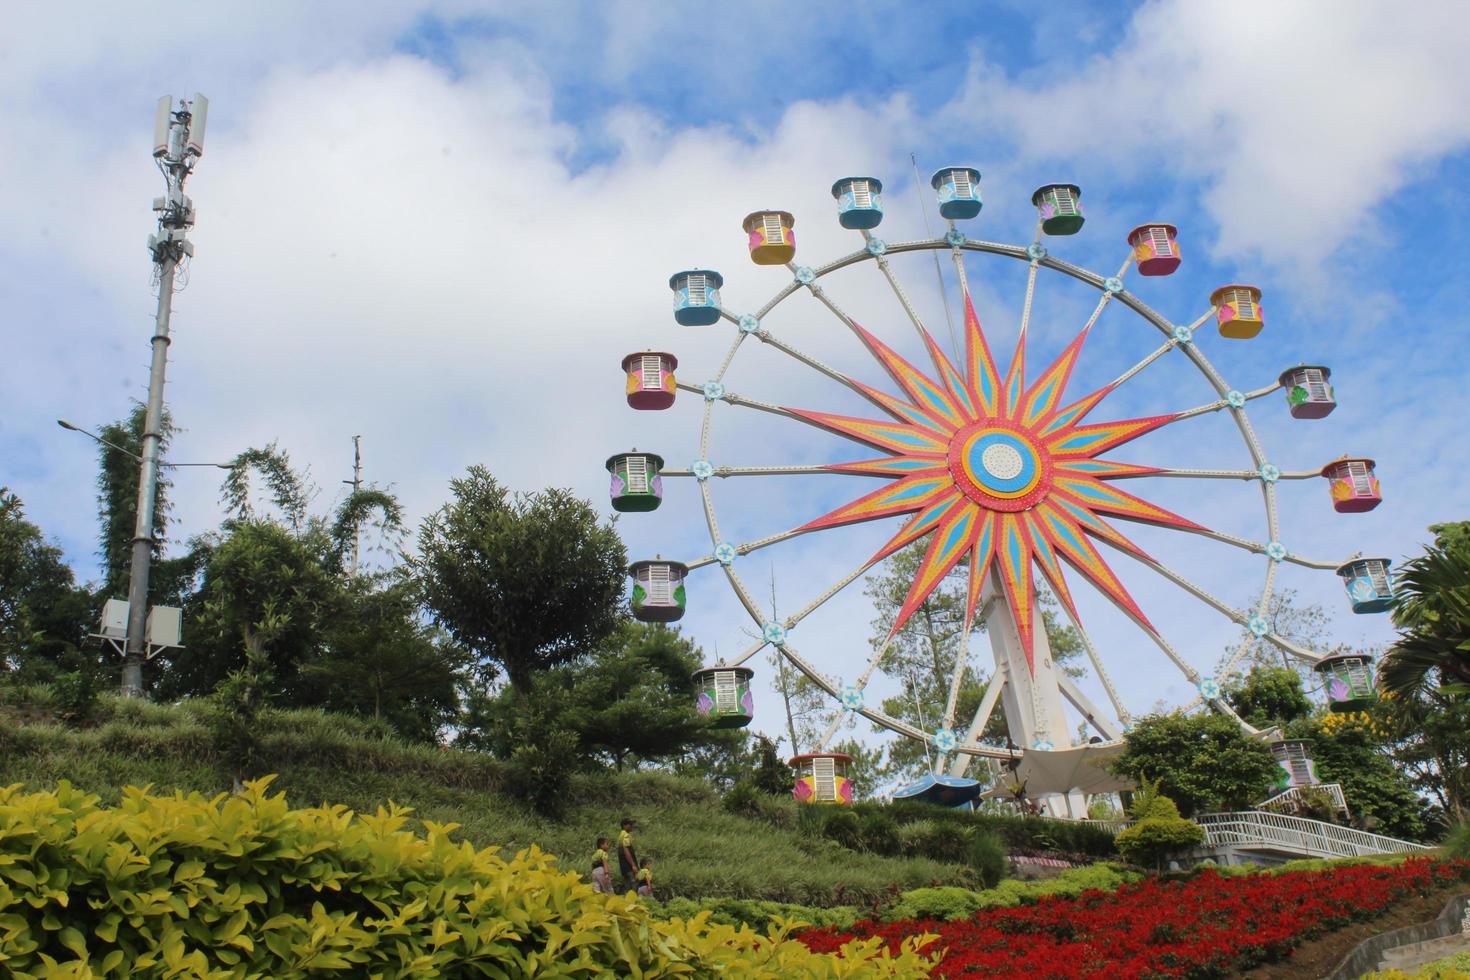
(73, 427)
(178, 142)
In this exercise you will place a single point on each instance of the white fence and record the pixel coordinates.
(1254, 830)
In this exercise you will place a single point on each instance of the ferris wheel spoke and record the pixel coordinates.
(957, 676)
(878, 717)
(1119, 708)
(860, 685)
(885, 404)
(734, 347)
(940, 363)
(1144, 471)
(1218, 404)
(1255, 547)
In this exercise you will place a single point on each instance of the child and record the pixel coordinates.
(645, 879)
(601, 879)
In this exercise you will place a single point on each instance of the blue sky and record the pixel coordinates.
(441, 225)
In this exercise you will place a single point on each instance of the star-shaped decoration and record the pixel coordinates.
(1001, 473)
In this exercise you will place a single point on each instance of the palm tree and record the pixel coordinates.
(1432, 612)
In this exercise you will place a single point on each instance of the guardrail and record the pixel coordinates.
(1296, 835)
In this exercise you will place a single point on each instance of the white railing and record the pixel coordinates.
(1288, 801)
(1296, 835)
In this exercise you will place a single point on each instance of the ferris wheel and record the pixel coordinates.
(1001, 469)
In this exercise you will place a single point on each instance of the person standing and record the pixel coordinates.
(627, 856)
(601, 877)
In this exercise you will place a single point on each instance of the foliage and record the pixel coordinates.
(376, 659)
(542, 756)
(952, 904)
(1209, 925)
(163, 886)
(1349, 751)
(525, 582)
(117, 501)
(1429, 741)
(1200, 761)
(631, 698)
(1157, 830)
(1432, 612)
(1455, 967)
(236, 720)
(265, 591)
(758, 915)
(700, 850)
(988, 858)
(1269, 696)
(43, 614)
(1456, 843)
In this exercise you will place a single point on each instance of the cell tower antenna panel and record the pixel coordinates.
(199, 111)
(161, 116)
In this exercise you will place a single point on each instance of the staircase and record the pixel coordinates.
(1253, 834)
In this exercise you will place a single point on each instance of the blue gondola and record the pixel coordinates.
(953, 791)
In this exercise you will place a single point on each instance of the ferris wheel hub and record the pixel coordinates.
(999, 466)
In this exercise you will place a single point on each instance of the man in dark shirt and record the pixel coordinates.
(627, 857)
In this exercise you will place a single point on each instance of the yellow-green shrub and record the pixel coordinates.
(244, 886)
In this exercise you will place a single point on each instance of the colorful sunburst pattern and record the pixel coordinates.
(1002, 474)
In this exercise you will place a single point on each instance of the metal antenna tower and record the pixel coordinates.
(178, 142)
(356, 482)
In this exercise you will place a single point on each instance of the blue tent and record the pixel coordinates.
(940, 790)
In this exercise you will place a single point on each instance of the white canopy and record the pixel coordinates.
(1082, 768)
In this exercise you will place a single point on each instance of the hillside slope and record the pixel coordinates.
(697, 848)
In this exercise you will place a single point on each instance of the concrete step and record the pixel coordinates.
(1417, 954)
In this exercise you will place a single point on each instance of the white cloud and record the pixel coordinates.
(1297, 118)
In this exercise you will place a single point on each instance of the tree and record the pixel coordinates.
(1158, 830)
(632, 699)
(525, 582)
(1429, 741)
(43, 614)
(1432, 612)
(117, 501)
(1200, 761)
(1348, 750)
(629, 703)
(266, 592)
(1269, 696)
(377, 660)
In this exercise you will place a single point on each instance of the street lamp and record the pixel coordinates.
(73, 427)
(161, 628)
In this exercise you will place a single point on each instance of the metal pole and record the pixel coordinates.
(356, 489)
(177, 147)
(137, 651)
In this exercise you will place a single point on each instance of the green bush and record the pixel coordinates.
(878, 832)
(1017, 832)
(760, 916)
(841, 825)
(988, 857)
(957, 903)
(244, 886)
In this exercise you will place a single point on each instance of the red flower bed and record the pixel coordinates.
(1205, 927)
